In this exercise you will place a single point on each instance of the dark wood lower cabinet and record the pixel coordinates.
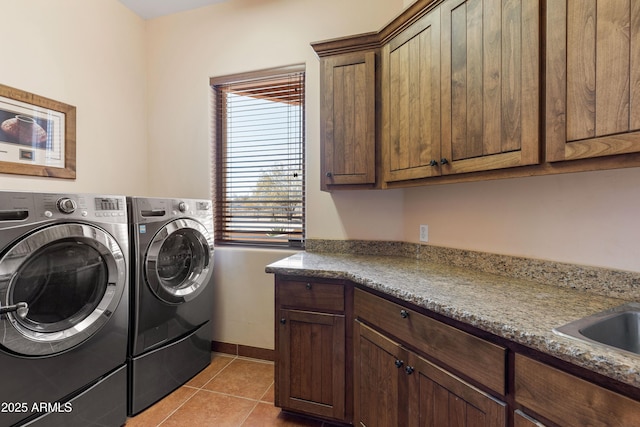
(396, 387)
(570, 401)
(379, 379)
(349, 356)
(438, 398)
(520, 419)
(312, 367)
(311, 349)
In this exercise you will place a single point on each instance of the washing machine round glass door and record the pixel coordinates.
(71, 276)
(178, 261)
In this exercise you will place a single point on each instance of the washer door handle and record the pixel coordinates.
(21, 309)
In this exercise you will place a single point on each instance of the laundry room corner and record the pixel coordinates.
(242, 290)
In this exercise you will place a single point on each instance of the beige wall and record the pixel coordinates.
(243, 296)
(89, 54)
(185, 50)
(589, 218)
(584, 218)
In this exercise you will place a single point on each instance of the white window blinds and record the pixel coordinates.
(259, 158)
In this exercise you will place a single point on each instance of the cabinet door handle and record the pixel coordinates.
(308, 286)
(283, 320)
(404, 314)
(444, 161)
(433, 163)
(328, 174)
(409, 370)
(399, 363)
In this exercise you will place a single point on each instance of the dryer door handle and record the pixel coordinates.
(21, 309)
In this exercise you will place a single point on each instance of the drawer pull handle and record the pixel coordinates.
(283, 320)
(399, 363)
(404, 314)
(409, 370)
(308, 286)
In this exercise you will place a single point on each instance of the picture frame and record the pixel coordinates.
(37, 135)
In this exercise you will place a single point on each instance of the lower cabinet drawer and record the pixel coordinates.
(568, 400)
(311, 295)
(520, 419)
(474, 357)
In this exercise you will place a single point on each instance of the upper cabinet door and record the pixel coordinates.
(593, 78)
(411, 101)
(490, 84)
(348, 119)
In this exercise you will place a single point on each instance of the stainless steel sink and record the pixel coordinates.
(618, 327)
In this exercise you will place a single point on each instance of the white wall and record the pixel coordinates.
(89, 54)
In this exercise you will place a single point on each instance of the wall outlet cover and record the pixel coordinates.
(424, 233)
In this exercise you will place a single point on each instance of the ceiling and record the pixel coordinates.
(149, 9)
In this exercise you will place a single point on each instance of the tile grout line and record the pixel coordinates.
(256, 405)
(266, 391)
(230, 395)
(197, 389)
(177, 407)
(217, 373)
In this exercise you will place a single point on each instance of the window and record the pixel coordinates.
(258, 147)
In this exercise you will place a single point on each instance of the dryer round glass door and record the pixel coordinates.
(71, 276)
(179, 260)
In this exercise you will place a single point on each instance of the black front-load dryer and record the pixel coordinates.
(171, 295)
(64, 309)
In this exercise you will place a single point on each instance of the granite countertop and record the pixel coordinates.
(519, 310)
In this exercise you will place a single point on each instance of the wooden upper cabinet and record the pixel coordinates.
(348, 119)
(411, 101)
(462, 90)
(490, 84)
(593, 78)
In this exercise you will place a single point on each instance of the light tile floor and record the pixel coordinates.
(231, 392)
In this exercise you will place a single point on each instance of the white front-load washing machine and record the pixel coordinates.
(64, 304)
(171, 295)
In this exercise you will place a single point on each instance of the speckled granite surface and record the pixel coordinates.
(520, 310)
(613, 283)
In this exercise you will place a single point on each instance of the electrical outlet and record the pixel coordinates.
(424, 233)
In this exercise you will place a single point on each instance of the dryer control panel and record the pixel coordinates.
(147, 209)
(82, 206)
(195, 207)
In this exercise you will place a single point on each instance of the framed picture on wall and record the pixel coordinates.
(37, 135)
